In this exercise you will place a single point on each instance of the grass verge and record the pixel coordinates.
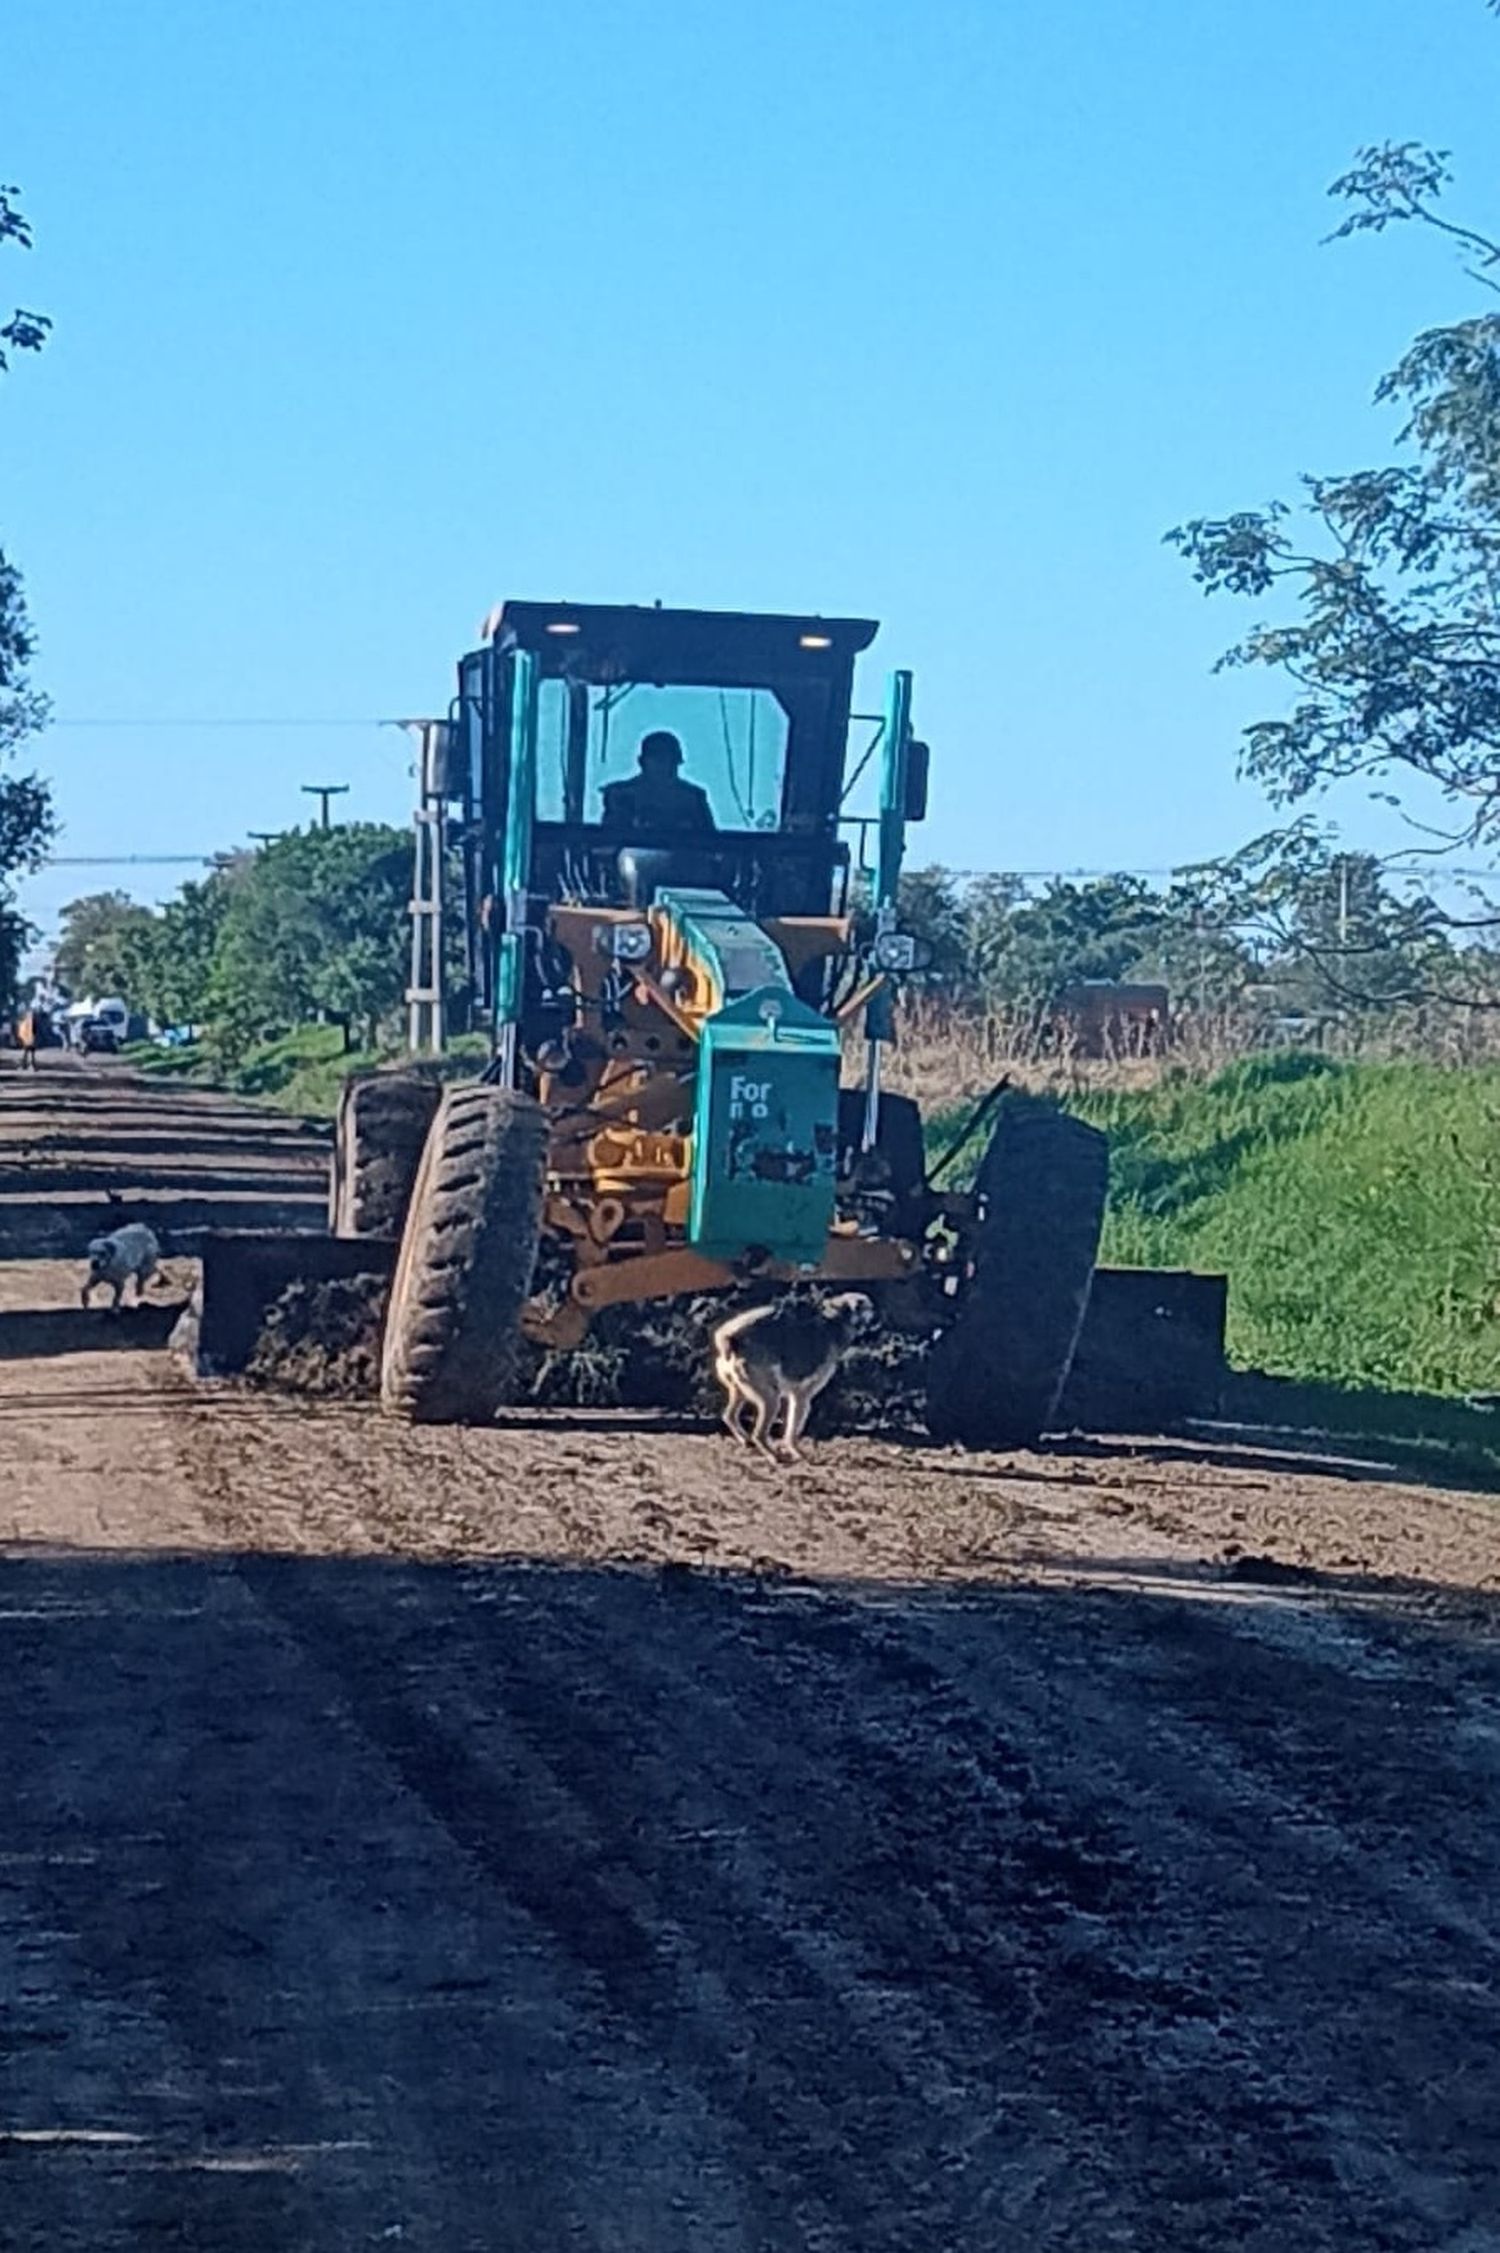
(301, 1071)
(1355, 1208)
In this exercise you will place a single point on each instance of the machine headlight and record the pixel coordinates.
(623, 942)
(898, 950)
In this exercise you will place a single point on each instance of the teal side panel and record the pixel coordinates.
(520, 823)
(880, 1017)
(736, 950)
(765, 1143)
(509, 968)
(895, 745)
(520, 809)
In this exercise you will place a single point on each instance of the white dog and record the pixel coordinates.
(774, 1361)
(114, 1259)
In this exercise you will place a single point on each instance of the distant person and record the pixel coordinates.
(29, 1034)
(657, 802)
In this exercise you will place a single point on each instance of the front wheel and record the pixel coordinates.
(379, 1132)
(452, 1332)
(996, 1375)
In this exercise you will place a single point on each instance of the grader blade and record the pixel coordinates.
(246, 1272)
(1151, 1351)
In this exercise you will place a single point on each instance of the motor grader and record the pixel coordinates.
(672, 975)
(642, 883)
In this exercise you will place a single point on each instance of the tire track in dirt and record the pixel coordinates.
(573, 1834)
(544, 1785)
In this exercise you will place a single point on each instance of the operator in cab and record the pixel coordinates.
(657, 802)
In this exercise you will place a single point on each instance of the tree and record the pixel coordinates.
(1395, 571)
(16, 935)
(964, 922)
(27, 826)
(1071, 931)
(992, 943)
(1318, 930)
(316, 925)
(179, 974)
(100, 950)
(22, 711)
(23, 332)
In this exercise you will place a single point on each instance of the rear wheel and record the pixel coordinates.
(379, 1131)
(452, 1333)
(900, 1152)
(995, 1376)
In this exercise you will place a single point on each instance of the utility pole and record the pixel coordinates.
(323, 791)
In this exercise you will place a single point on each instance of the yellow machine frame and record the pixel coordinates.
(620, 1148)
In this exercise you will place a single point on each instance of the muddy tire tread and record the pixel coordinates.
(467, 1254)
(379, 1133)
(996, 1375)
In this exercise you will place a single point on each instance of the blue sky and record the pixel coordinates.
(367, 315)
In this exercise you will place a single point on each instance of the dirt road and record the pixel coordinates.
(84, 1131)
(573, 1835)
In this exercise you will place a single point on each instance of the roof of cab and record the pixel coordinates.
(644, 630)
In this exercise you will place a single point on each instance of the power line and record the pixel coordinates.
(284, 722)
(128, 860)
(959, 875)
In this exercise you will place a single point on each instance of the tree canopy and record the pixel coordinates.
(23, 331)
(1286, 926)
(27, 824)
(1393, 572)
(314, 926)
(98, 951)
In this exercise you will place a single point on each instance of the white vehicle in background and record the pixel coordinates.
(113, 1018)
(98, 1027)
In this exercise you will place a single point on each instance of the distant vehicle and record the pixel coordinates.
(1298, 1028)
(1101, 1017)
(95, 1027)
(177, 1036)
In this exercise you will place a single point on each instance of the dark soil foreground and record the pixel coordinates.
(577, 1834)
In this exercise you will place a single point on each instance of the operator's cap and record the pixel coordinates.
(661, 743)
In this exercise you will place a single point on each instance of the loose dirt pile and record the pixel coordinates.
(324, 1339)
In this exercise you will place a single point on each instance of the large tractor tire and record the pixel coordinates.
(899, 1142)
(898, 1138)
(995, 1376)
(453, 1327)
(379, 1132)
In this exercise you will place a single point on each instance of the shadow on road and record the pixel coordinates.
(506, 1905)
(31, 1333)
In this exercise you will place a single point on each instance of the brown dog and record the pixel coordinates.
(773, 1361)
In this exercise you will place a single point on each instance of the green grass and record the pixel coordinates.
(164, 1063)
(1355, 1208)
(301, 1071)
